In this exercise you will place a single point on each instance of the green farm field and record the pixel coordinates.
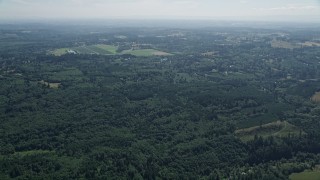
(306, 175)
(146, 52)
(60, 52)
(100, 49)
(103, 49)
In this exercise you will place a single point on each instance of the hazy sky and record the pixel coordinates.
(291, 10)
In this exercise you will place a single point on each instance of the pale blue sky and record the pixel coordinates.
(282, 10)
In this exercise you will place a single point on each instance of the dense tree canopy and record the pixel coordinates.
(207, 111)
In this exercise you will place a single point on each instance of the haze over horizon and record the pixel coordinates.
(272, 10)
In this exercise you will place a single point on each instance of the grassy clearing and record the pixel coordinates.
(306, 175)
(60, 52)
(51, 85)
(33, 152)
(96, 50)
(146, 52)
(109, 48)
(316, 97)
(280, 129)
(83, 50)
(92, 49)
(210, 53)
(103, 49)
(310, 44)
(283, 44)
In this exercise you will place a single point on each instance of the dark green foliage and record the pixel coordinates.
(124, 117)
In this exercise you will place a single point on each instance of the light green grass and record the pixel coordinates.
(108, 48)
(60, 52)
(306, 175)
(146, 52)
(101, 49)
(51, 85)
(83, 50)
(97, 50)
